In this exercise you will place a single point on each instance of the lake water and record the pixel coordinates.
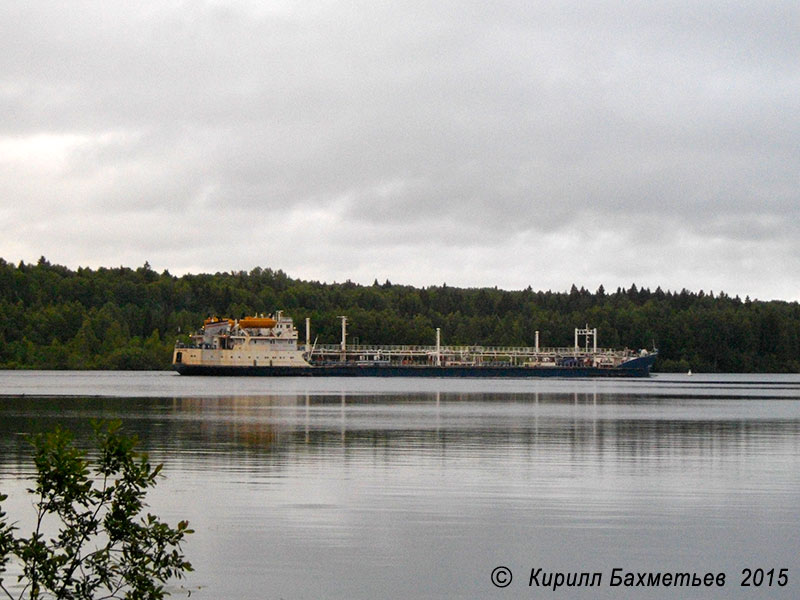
(404, 488)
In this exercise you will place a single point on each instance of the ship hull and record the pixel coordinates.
(639, 367)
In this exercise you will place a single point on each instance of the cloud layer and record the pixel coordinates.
(508, 144)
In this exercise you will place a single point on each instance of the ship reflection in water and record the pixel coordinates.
(373, 495)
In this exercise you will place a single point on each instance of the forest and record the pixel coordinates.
(53, 317)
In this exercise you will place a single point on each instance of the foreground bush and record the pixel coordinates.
(91, 538)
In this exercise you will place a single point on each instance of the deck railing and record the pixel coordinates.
(489, 351)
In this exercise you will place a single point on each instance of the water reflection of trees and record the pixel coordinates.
(273, 429)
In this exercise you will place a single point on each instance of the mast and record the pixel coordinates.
(344, 338)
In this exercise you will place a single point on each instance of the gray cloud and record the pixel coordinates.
(503, 144)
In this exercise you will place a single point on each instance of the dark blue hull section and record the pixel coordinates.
(639, 367)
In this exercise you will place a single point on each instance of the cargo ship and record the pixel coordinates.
(269, 346)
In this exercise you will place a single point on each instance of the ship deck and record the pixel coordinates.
(468, 355)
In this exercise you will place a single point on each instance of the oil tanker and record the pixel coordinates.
(269, 346)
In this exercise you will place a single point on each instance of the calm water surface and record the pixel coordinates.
(363, 488)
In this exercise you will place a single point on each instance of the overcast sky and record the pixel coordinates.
(474, 143)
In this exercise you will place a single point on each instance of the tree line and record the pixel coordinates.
(53, 317)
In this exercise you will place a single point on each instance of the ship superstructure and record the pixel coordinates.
(269, 341)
